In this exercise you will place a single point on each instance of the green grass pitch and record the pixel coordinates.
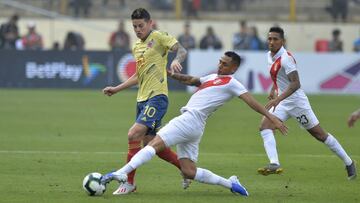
(50, 139)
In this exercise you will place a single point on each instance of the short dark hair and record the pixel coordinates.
(235, 58)
(277, 30)
(336, 32)
(187, 24)
(15, 17)
(243, 23)
(140, 13)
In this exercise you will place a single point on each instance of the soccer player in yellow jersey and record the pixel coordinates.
(150, 52)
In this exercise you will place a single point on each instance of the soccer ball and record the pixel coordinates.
(92, 185)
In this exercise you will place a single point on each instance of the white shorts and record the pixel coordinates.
(302, 113)
(185, 132)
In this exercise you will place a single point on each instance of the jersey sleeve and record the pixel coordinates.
(166, 40)
(237, 88)
(288, 63)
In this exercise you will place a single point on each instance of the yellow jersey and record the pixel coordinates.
(151, 60)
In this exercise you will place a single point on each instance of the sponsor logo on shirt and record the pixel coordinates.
(215, 82)
(151, 44)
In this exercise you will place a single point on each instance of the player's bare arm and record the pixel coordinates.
(109, 91)
(255, 105)
(294, 85)
(185, 79)
(180, 57)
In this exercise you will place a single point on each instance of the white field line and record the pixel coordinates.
(201, 154)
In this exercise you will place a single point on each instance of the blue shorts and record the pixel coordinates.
(151, 111)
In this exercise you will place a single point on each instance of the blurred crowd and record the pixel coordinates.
(10, 37)
(337, 9)
(335, 43)
(246, 38)
(84, 8)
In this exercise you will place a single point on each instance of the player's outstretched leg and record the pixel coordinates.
(270, 169)
(127, 186)
(143, 156)
(333, 144)
(208, 177)
(336, 147)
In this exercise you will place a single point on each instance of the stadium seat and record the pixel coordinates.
(322, 45)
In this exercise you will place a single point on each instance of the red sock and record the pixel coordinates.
(134, 147)
(169, 156)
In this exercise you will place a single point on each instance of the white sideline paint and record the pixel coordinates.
(202, 154)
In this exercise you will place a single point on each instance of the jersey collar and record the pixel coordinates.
(220, 76)
(147, 36)
(278, 54)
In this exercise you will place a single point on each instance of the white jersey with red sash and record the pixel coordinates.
(280, 66)
(185, 131)
(297, 104)
(214, 91)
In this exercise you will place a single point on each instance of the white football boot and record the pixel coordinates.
(125, 188)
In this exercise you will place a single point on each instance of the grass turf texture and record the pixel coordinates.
(50, 139)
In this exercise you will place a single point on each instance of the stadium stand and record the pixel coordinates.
(276, 10)
(55, 19)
